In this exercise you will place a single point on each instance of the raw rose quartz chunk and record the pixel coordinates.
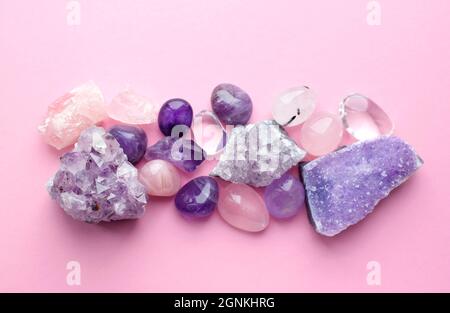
(130, 108)
(72, 113)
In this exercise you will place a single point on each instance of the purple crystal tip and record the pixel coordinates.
(96, 183)
(343, 187)
(183, 153)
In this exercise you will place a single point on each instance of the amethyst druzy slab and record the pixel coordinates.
(96, 183)
(343, 187)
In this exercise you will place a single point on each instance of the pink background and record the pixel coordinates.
(167, 49)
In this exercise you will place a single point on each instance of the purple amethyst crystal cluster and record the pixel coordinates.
(96, 183)
(343, 187)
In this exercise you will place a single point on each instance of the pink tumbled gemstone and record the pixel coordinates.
(131, 108)
(160, 178)
(321, 134)
(72, 113)
(242, 207)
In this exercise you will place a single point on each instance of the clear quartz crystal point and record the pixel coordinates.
(363, 118)
(208, 132)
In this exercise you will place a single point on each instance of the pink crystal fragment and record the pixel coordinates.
(72, 113)
(131, 108)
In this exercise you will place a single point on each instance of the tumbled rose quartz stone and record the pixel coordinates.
(160, 178)
(96, 183)
(72, 113)
(133, 141)
(131, 108)
(363, 118)
(198, 198)
(343, 187)
(284, 196)
(231, 104)
(294, 106)
(242, 207)
(321, 134)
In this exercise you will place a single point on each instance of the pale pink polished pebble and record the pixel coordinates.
(160, 178)
(72, 113)
(321, 134)
(131, 108)
(242, 207)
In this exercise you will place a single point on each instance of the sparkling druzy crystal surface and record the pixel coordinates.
(344, 186)
(96, 183)
(69, 115)
(256, 154)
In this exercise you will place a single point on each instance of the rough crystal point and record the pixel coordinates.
(257, 154)
(131, 108)
(96, 183)
(231, 104)
(72, 113)
(198, 198)
(363, 118)
(344, 186)
(242, 207)
(183, 153)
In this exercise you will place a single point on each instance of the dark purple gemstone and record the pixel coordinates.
(174, 112)
(132, 140)
(198, 198)
(186, 154)
(231, 104)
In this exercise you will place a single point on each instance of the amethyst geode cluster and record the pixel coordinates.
(96, 182)
(343, 187)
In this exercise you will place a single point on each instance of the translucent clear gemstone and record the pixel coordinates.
(294, 106)
(208, 132)
(363, 118)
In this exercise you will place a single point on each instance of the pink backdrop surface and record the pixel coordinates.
(178, 48)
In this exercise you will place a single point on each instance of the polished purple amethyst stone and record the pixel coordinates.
(183, 153)
(198, 198)
(231, 104)
(133, 141)
(174, 112)
(284, 197)
(343, 187)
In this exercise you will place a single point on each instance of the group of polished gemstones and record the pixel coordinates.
(98, 181)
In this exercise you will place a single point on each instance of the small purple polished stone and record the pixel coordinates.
(174, 112)
(132, 140)
(343, 187)
(284, 197)
(231, 104)
(183, 153)
(198, 198)
(96, 183)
